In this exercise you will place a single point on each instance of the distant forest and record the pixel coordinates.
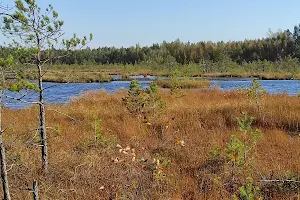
(278, 47)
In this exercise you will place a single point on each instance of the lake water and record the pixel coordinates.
(63, 93)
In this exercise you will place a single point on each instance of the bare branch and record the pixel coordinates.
(10, 167)
(280, 181)
(63, 114)
(44, 73)
(3, 131)
(36, 133)
(56, 85)
(22, 188)
(55, 57)
(21, 100)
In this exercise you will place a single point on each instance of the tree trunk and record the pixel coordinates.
(42, 121)
(6, 195)
(35, 190)
(42, 115)
(3, 171)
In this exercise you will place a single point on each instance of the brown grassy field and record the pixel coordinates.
(261, 75)
(77, 77)
(83, 167)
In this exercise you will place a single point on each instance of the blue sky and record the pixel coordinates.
(127, 22)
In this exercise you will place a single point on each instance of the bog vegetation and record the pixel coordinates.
(150, 144)
(147, 143)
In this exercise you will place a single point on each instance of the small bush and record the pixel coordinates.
(238, 154)
(256, 92)
(248, 191)
(143, 101)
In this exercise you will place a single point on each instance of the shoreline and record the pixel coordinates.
(209, 78)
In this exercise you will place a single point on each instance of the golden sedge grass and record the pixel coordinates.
(82, 167)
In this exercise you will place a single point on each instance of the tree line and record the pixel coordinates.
(277, 46)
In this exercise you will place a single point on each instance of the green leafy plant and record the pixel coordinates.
(237, 150)
(239, 156)
(248, 191)
(155, 98)
(99, 139)
(250, 136)
(245, 123)
(136, 98)
(234, 151)
(22, 84)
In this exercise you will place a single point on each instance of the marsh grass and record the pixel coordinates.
(140, 69)
(193, 70)
(181, 138)
(77, 77)
(184, 83)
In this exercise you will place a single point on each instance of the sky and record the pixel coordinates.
(128, 22)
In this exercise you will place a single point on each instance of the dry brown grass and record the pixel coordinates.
(76, 76)
(259, 75)
(82, 169)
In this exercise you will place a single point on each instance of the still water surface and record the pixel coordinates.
(63, 93)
